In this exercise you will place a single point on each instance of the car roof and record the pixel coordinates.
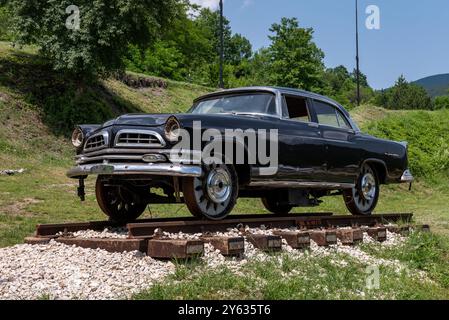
(275, 90)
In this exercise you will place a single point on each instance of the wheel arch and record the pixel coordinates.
(243, 170)
(380, 167)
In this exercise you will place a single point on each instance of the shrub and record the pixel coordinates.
(428, 136)
(441, 102)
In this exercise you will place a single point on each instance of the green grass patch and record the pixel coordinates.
(428, 135)
(283, 277)
(425, 252)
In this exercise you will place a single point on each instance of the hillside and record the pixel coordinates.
(61, 102)
(437, 85)
(426, 131)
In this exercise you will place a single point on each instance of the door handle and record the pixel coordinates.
(313, 125)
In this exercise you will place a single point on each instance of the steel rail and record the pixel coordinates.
(147, 229)
(144, 229)
(46, 230)
(324, 229)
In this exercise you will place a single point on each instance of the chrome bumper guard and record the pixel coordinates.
(407, 176)
(155, 169)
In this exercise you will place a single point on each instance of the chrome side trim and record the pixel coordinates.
(123, 151)
(393, 155)
(155, 169)
(301, 184)
(407, 176)
(161, 143)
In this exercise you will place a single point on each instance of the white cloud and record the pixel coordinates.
(211, 4)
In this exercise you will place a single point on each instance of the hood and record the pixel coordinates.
(144, 119)
(186, 119)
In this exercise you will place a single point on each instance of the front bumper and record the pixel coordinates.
(153, 169)
(407, 177)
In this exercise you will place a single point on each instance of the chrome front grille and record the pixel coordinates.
(139, 138)
(96, 142)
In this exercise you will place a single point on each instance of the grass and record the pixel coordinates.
(310, 277)
(33, 135)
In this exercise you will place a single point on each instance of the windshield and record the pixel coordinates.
(251, 103)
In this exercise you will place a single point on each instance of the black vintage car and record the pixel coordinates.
(320, 152)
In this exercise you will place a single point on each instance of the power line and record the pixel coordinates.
(357, 50)
(221, 44)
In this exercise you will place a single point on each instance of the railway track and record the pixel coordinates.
(185, 237)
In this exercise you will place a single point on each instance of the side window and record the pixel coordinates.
(342, 121)
(296, 109)
(329, 115)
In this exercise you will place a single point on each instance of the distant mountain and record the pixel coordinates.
(437, 85)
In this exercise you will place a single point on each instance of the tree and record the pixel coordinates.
(336, 77)
(295, 60)
(441, 102)
(180, 53)
(399, 94)
(418, 98)
(5, 23)
(341, 85)
(257, 70)
(240, 49)
(237, 49)
(362, 78)
(381, 98)
(165, 60)
(189, 50)
(106, 29)
(405, 95)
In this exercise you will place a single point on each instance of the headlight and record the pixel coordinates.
(77, 138)
(172, 128)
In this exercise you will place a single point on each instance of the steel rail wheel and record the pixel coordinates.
(118, 203)
(213, 195)
(362, 200)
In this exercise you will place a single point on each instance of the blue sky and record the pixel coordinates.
(413, 39)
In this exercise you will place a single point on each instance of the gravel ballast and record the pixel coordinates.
(57, 271)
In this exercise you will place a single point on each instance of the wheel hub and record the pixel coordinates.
(218, 185)
(368, 186)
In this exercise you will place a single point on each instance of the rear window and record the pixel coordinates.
(296, 109)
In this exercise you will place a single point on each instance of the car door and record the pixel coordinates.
(301, 156)
(342, 155)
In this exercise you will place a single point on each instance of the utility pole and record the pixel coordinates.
(221, 45)
(357, 50)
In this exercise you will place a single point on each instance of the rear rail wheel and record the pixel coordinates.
(213, 195)
(119, 204)
(273, 205)
(362, 200)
